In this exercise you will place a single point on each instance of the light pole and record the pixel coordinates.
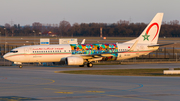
(0, 43)
(34, 36)
(40, 34)
(0, 37)
(5, 46)
(4, 43)
(27, 42)
(5, 40)
(5, 31)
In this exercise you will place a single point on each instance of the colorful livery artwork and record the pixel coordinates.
(95, 49)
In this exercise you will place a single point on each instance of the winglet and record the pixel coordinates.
(83, 41)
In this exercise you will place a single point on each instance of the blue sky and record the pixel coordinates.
(25, 12)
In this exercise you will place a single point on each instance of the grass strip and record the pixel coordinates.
(123, 72)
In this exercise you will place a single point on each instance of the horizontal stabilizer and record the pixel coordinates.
(161, 45)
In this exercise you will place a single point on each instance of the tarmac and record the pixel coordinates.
(43, 83)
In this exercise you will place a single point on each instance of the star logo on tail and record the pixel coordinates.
(146, 37)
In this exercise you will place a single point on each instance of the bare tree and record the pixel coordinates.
(7, 26)
(74, 29)
(37, 27)
(174, 22)
(64, 26)
(123, 22)
(27, 30)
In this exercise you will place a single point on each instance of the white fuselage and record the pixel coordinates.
(57, 53)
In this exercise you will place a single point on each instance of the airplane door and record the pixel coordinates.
(26, 54)
(26, 50)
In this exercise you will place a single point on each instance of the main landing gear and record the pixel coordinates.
(89, 64)
(20, 66)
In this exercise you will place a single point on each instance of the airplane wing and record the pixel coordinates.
(98, 56)
(102, 54)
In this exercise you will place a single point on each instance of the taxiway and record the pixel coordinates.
(43, 83)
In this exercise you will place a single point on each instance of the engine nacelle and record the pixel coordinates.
(74, 60)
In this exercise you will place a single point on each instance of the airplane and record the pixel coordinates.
(86, 54)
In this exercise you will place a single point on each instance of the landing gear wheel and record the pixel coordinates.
(81, 65)
(89, 64)
(20, 66)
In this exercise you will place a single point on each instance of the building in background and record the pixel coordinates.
(49, 33)
(44, 41)
(68, 41)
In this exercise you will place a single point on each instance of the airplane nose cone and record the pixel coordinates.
(5, 56)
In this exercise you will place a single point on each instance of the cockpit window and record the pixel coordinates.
(14, 51)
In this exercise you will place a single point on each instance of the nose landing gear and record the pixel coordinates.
(20, 66)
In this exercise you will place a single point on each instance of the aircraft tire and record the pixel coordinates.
(89, 64)
(20, 66)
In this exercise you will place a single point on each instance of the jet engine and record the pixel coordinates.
(74, 60)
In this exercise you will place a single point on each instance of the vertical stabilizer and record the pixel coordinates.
(151, 33)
